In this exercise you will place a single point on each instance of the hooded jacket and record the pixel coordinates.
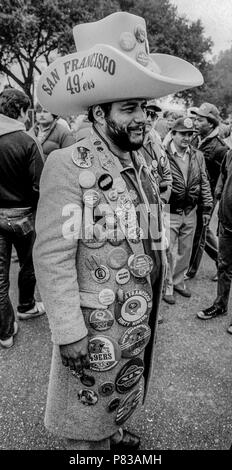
(56, 137)
(214, 149)
(185, 196)
(20, 165)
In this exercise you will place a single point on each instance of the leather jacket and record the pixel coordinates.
(185, 196)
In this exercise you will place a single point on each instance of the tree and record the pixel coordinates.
(219, 89)
(32, 30)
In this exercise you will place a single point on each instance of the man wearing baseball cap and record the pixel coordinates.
(190, 185)
(214, 149)
(99, 271)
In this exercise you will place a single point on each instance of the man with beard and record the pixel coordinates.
(98, 249)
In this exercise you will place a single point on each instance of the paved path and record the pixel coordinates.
(190, 407)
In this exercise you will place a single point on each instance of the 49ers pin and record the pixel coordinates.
(134, 340)
(104, 353)
(127, 407)
(129, 375)
(140, 265)
(134, 310)
(101, 320)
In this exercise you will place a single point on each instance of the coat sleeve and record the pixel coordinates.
(58, 227)
(35, 167)
(166, 181)
(223, 175)
(206, 195)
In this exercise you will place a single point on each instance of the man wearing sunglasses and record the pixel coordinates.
(155, 154)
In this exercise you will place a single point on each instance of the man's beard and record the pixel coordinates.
(121, 136)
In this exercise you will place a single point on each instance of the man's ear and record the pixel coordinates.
(98, 114)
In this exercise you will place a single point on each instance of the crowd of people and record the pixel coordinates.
(102, 288)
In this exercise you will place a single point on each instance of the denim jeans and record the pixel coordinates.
(16, 228)
(224, 268)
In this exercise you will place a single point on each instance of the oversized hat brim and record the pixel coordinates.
(104, 74)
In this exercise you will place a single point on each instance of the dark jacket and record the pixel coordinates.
(184, 197)
(156, 158)
(20, 165)
(214, 149)
(224, 192)
(56, 137)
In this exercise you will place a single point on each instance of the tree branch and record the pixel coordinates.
(9, 73)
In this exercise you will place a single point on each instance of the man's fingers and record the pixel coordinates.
(86, 361)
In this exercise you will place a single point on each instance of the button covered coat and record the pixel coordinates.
(80, 284)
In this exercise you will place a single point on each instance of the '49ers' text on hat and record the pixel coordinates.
(112, 63)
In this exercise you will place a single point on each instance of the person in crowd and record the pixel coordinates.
(50, 132)
(223, 192)
(99, 269)
(155, 154)
(214, 149)
(163, 124)
(21, 167)
(190, 187)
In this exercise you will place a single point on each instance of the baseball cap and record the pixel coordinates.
(183, 125)
(208, 110)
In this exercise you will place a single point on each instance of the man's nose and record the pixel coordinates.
(140, 116)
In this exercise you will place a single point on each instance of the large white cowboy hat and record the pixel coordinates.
(112, 63)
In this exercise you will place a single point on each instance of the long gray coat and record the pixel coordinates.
(70, 294)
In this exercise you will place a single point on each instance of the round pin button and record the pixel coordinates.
(134, 309)
(100, 232)
(142, 58)
(87, 380)
(134, 340)
(113, 405)
(140, 265)
(119, 184)
(117, 257)
(104, 353)
(113, 194)
(87, 179)
(124, 202)
(129, 375)
(100, 274)
(88, 397)
(127, 407)
(127, 41)
(101, 320)
(106, 297)
(115, 237)
(106, 389)
(82, 157)
(91, 198)
(105, 182)
(122, 276)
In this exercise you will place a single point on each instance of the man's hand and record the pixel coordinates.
(75, 355)
(206, 219)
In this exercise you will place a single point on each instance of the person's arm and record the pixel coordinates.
(35, 167)
(58, 226)
(223, 175)
(206, 195)
(166, 181)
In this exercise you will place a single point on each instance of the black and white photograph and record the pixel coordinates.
(115, 231)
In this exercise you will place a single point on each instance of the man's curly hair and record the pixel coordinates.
(12, 101)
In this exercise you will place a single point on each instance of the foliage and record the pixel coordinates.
(32, 30)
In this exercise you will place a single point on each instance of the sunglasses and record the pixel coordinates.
(150, 113)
